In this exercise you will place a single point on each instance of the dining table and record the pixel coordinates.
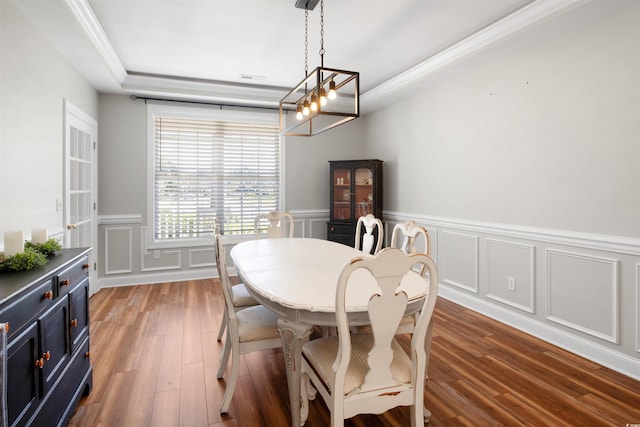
(296, 278)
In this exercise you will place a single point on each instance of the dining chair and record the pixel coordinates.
(240, 297)
(369, 242)
(248, 329)
(404, 237)
(279, 223)
(357, 373)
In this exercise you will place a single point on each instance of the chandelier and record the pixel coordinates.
(326, 97)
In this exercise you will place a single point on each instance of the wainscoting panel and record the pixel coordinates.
(637, 308)
(298, 227)
(511, 274)
(433, 238)
(459, 260)
(118, 257)
(202, 257)
(318, 228)
(582, 293)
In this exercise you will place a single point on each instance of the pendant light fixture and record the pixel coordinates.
(326, 97)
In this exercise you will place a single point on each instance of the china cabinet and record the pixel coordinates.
(355, 190)
(46, 311)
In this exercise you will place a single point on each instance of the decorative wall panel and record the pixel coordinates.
(510, 274)
(459, 260)
(118, 256)
(582, 293)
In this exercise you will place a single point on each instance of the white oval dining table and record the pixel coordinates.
(296, 278)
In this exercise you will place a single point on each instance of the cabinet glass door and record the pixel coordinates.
(341, 194)
(363, 191)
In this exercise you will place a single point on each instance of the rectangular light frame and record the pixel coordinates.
(342, 110)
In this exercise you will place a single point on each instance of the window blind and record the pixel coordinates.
(206, 169)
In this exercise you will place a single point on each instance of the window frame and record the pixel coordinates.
(213, 112)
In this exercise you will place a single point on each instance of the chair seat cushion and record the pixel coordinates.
(241, 296)
(321, 354)
(257, 323)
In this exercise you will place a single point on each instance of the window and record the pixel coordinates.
(212, 164)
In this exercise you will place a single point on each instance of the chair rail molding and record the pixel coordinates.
(120, 219)
(618, 244)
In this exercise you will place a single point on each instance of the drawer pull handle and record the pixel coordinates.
(6, 327)
(65, 282)
(74, 322)
(48, 295)
(87, 355)
(40, 363)
(85, 266)
(46, 356)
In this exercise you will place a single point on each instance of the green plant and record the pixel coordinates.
(48, 248)
(26, 260)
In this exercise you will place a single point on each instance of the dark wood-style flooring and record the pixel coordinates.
(155, 355)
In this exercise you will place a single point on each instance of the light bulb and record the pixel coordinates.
(305, 108)
(299, 112)
(332, 90)
(323, 97)
(314, 103)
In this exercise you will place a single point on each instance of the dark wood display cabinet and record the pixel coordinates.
(47, 313)
(356, 190)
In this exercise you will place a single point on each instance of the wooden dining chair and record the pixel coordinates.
(404, 237)
(358, 373)
(248, 329)
(279, 224)
(240, 297)
(369, 242)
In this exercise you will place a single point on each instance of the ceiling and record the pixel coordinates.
(252, 51)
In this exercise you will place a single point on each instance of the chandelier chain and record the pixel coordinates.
(306, 42)
(322, 33)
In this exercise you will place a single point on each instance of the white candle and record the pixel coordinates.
(39, 235)
(13, 243)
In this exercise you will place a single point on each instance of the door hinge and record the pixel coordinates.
(94, 206)
(95, 266)
(94, 145)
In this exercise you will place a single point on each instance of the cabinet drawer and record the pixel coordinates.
(71, 276)
(26, 308)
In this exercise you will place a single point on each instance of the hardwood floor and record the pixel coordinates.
(155, 355)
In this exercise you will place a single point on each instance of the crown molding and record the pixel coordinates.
(517, 21)
(89, 22)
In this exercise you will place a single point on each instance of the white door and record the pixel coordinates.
(80, 186)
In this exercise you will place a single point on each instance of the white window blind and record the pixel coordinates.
(206, 169)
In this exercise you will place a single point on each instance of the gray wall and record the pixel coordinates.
(34, 82)
(540, 130)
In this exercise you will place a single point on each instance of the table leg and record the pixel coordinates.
(293, 336)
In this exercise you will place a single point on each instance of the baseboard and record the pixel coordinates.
(163, 277)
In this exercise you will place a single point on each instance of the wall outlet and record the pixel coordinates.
(511, 283)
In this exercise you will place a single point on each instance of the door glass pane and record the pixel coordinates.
(341, 194)
(364, 191)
